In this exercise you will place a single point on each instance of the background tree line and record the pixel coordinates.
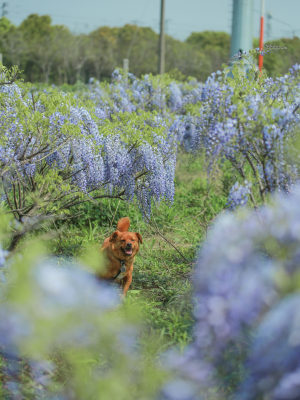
(52, 54)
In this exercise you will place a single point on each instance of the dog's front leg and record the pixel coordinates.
(126, 283)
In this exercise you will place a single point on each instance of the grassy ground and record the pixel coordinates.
(161, 281)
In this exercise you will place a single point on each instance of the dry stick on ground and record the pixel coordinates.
(167, 240)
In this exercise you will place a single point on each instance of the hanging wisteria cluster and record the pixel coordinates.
(234, 115)
(126, 93)
(250, 122)
(63, 153)
(246, 305)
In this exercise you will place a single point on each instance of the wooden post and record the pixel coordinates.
(126, 68)
(126, 65)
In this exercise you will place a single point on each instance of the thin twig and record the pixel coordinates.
(167, 240)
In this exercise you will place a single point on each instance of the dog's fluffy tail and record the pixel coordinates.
(123, 224)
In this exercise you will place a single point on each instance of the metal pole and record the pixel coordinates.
(161, 55)
(261, 37)
(241, 31)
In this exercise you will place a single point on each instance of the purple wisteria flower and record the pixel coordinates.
(245, 271)
(3, 255)
(239, 195)
(251, 128)
(88, 152)
(273, 364)
(244, 267)
(175, 99)
(57, 289)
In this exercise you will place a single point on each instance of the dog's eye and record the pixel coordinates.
(123, 241)
(132, 240)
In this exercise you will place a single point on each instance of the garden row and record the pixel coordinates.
(120, 140)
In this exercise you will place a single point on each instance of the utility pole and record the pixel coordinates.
(161, 55)
(4, 11)
(241, 32)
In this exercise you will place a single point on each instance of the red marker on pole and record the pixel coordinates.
(261, 37)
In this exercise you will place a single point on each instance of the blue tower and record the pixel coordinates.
(242, 26)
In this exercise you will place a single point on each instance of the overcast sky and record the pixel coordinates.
(182, 16)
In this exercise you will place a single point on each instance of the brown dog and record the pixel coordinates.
(119, 250)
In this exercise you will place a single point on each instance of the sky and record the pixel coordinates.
(182, 16)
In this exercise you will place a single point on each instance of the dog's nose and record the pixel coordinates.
(128, 246)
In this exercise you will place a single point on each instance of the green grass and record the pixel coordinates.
(162, 271)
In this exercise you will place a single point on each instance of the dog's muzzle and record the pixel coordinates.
(128, 249)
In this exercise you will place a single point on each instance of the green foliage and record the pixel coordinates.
(281, 55)
(214, 45)
(6, 31)
(209, 39)
(8, 75)
(139, 45)
(134, 128)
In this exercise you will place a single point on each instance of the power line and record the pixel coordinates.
(285, 23)
(270, 16)
(269, 27)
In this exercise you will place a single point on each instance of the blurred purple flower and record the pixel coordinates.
(241, 278)
(239, 195)
(175, 100)
(3, 255)
(273, 365)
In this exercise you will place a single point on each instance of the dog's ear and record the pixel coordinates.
(139, 236)
(114, 237)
